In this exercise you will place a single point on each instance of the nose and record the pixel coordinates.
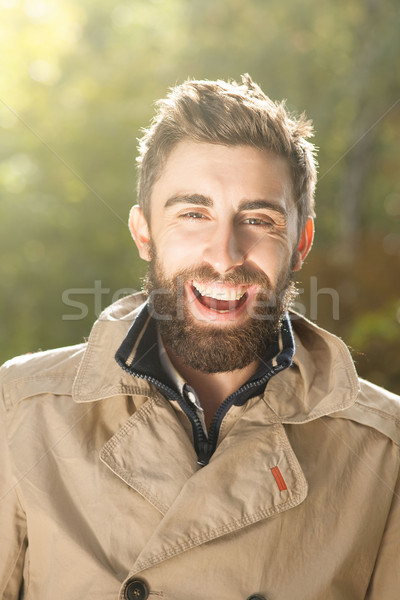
(223, 250)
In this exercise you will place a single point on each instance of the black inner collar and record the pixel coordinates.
(146, 360)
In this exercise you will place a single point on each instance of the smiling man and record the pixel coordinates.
(206, 442)
(223, 240)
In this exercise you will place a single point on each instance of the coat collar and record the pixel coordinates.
(139, 355)
(99, 376)
(322, 379)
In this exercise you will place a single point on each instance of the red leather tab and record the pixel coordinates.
(279, 479)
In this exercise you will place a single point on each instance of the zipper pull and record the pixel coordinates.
(203, 456)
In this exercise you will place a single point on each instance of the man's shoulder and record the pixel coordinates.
(377, 408)
(54, 371)
(50, 371)
(362, 402)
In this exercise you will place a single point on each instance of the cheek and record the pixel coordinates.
(272, 257)
(172, 256)
(179, 246)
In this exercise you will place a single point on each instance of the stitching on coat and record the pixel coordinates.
(295, 500)
(380, 413)
(224, 529)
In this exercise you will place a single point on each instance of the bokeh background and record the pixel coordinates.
(77, 82)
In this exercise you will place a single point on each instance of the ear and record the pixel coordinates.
(305, 243)
(140, 232)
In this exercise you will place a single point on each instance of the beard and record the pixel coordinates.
(209, 348)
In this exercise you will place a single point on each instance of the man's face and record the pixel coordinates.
(222, 244)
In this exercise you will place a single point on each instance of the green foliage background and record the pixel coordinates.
(77, 82)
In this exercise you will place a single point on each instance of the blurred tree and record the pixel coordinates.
(373, 97)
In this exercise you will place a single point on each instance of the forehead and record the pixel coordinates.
(227, 174)
(197, 163)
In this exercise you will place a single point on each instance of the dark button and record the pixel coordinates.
(256, 597)
(136, 589)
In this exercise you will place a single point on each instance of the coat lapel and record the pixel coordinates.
(241, 485)
(152, 453)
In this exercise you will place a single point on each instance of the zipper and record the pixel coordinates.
(228, 402)
(201, 443)
(205, 447)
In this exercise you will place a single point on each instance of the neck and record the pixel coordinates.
(212, 388)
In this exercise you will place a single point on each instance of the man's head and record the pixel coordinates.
(223, 220)
(230, 114)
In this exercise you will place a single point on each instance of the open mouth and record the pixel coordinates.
(219, 297)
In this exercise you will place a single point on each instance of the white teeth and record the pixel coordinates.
(228, 294)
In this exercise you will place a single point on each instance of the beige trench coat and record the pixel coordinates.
(100, 487)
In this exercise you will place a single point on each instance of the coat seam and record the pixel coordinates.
(380, 413)
(225, 529)
(114, 391)
(135, 484)
(84, 364)
(131, 423)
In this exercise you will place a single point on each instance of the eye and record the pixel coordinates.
(192, 215)
(257, 222)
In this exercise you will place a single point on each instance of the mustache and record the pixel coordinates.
(241, 275)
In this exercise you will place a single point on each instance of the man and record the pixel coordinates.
(204, 443)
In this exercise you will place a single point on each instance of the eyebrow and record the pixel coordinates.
(262, 204)
(196, 199)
